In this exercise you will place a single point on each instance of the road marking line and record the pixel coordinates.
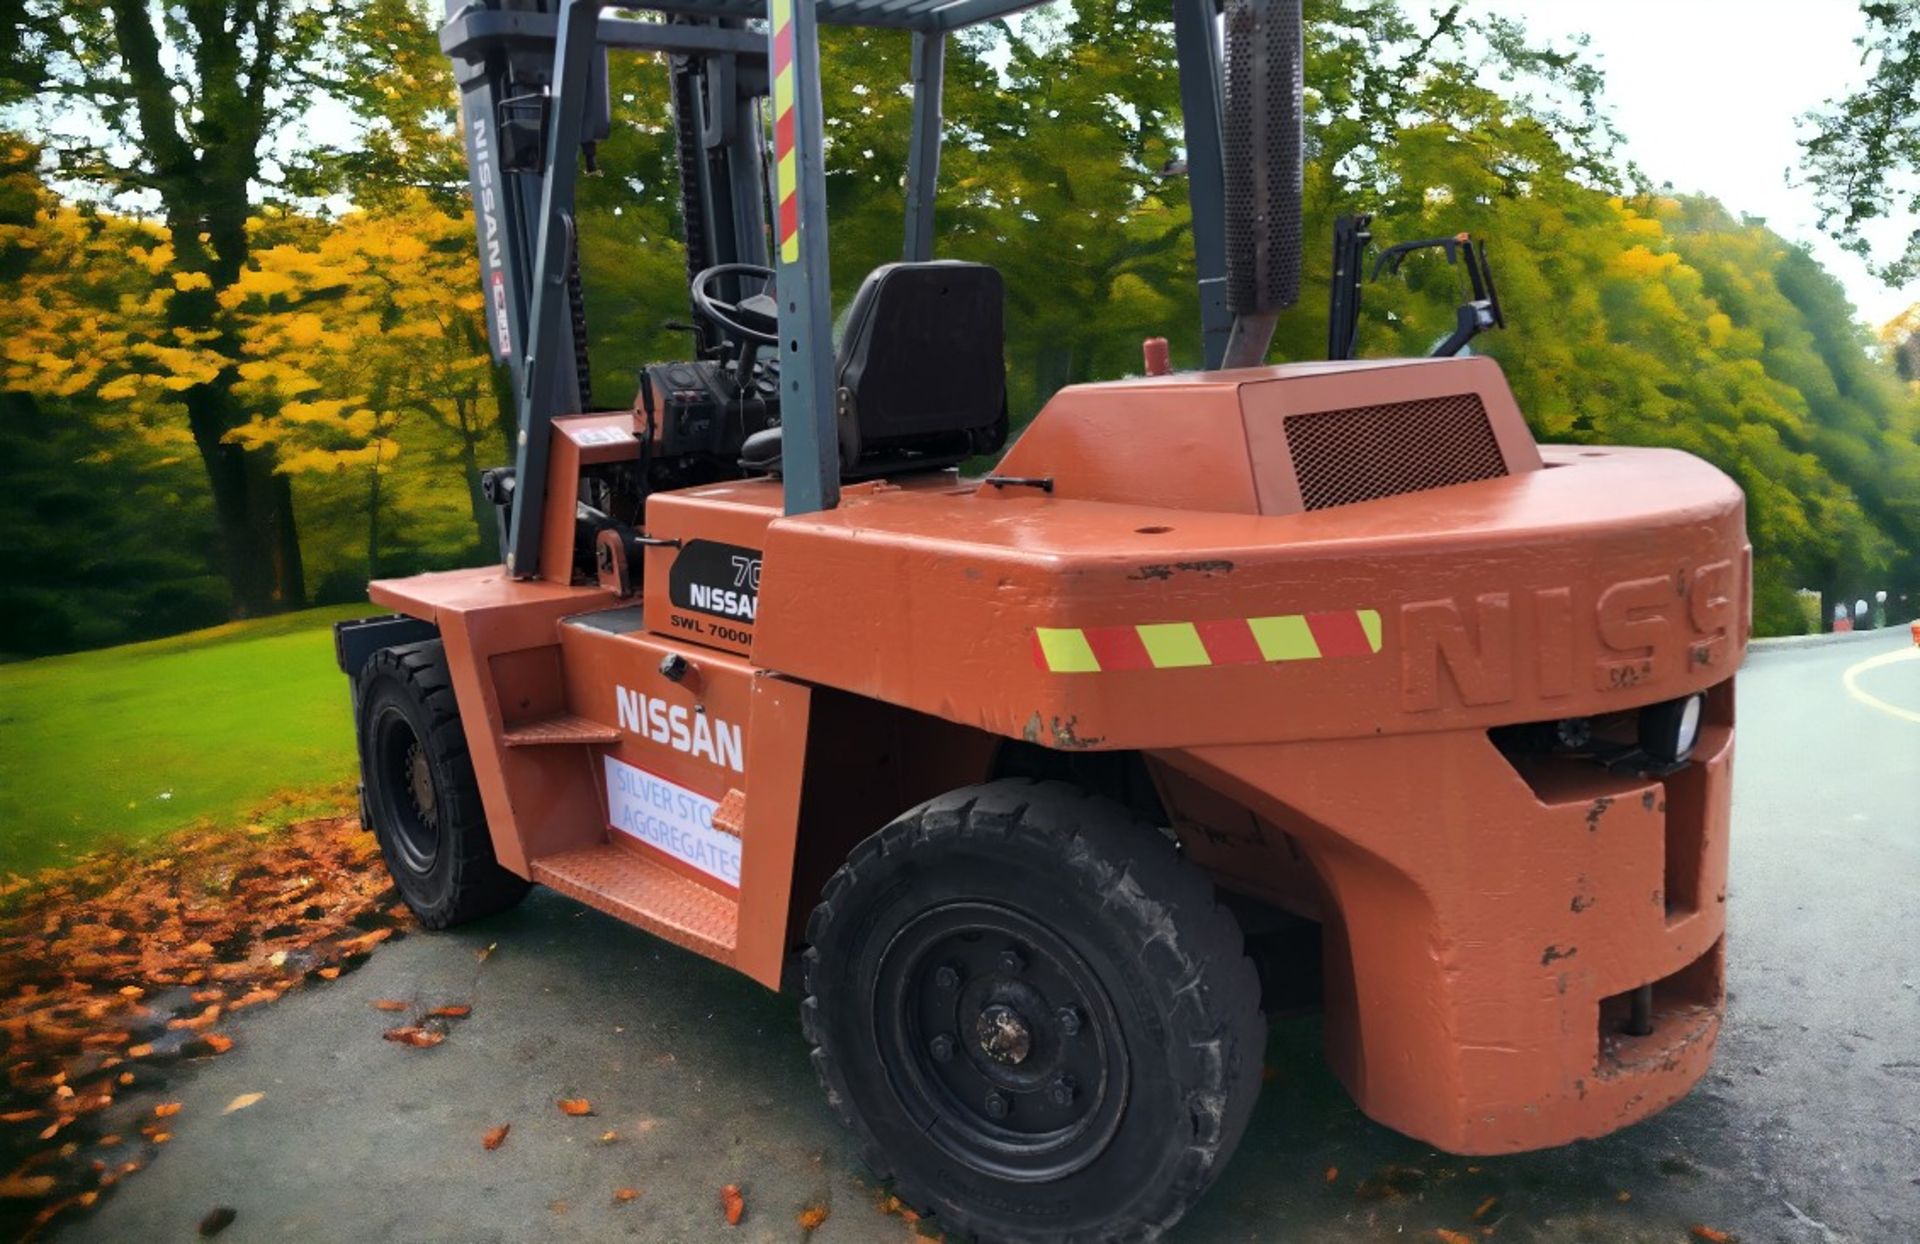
(1851, 677)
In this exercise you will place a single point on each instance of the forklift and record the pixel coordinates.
(1003, 775)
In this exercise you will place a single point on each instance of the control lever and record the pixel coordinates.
(1471, 318)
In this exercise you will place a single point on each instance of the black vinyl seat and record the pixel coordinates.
(921, 373)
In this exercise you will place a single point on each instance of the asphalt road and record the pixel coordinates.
(1807, 1129)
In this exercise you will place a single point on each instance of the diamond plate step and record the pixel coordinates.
(633, 888)
(566, 728)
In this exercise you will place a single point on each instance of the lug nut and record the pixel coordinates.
(996, 1105)
(946, 978)
(1062, 1091)
(1069, 1020)
(1012, 962)
(941, 1047)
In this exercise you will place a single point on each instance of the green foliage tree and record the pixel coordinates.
(1635, 318)
(1863, 155)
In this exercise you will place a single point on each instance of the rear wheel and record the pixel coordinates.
(1034, 1014)
(420, 790)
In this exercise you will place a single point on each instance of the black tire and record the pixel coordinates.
(1103, 920)
(420, 792)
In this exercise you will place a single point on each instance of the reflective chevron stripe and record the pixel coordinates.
(1181, 645)
(786, 181)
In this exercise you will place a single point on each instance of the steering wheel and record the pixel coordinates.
(750, 319)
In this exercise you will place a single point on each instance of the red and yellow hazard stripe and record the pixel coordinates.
(1182, 645)
(786, 179)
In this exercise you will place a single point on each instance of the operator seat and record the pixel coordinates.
(920, 375)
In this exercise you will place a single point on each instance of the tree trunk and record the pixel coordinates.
(203, 187)
(259, 547)
(373, 518)
(485, 526)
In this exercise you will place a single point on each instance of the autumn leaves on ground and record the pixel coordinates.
(116, 972)
(124, 952)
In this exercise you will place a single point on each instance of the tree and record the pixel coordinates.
(1863, 158)
(178, 104)
(365, 347)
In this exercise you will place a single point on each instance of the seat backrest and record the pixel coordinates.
(922, 364)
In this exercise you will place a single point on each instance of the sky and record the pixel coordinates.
(1707, 93)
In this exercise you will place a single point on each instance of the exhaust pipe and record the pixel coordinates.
(1263, 141)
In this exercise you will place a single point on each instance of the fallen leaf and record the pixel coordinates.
(482, 956)
(242, 1102)
(166, 1110)
(418, 1038)
(733, 1204)
(1485, 1207)
(160, 1138)
(1623, 1196)
(218, 1219)
(609, 1136)
(389, 1004)
(366, 941)
(328, 973)
(1333, 1173)
(25, 1187)
(495, 1137)
(812, 1216)
(1711, 1235)
(450, 1012)
(575, 1106)
(19, 1116)
(139, 1051)
(1453, 1237)
(217, 1043)
(622, 1195)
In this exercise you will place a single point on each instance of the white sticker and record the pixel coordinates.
(601, 436)
(671, 818)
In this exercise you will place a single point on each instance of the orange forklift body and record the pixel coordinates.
(1247, 578)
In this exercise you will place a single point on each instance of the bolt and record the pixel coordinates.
(946, 978)
(1062, 1090)
(996, 1105)
(941, 1047)
(673, 667)
(1069, 1020)
(1012, 962)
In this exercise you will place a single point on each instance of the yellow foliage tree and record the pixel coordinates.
(364, 344)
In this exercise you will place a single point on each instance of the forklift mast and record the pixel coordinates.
(533, 83)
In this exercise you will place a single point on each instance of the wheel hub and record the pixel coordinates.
(1001, 1041)
(401, 792)
(1004, 1035)
(420, 784)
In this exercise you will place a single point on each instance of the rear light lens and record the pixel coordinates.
(1668, 731)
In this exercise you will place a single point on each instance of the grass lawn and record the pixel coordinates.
(134, 741)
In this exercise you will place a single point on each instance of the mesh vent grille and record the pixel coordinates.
(1367, 452)
(1260, 128)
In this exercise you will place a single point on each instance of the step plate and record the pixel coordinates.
(555, 731)
(627, 885)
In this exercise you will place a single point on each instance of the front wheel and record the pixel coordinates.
(421, 795)
(1034, 1014)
